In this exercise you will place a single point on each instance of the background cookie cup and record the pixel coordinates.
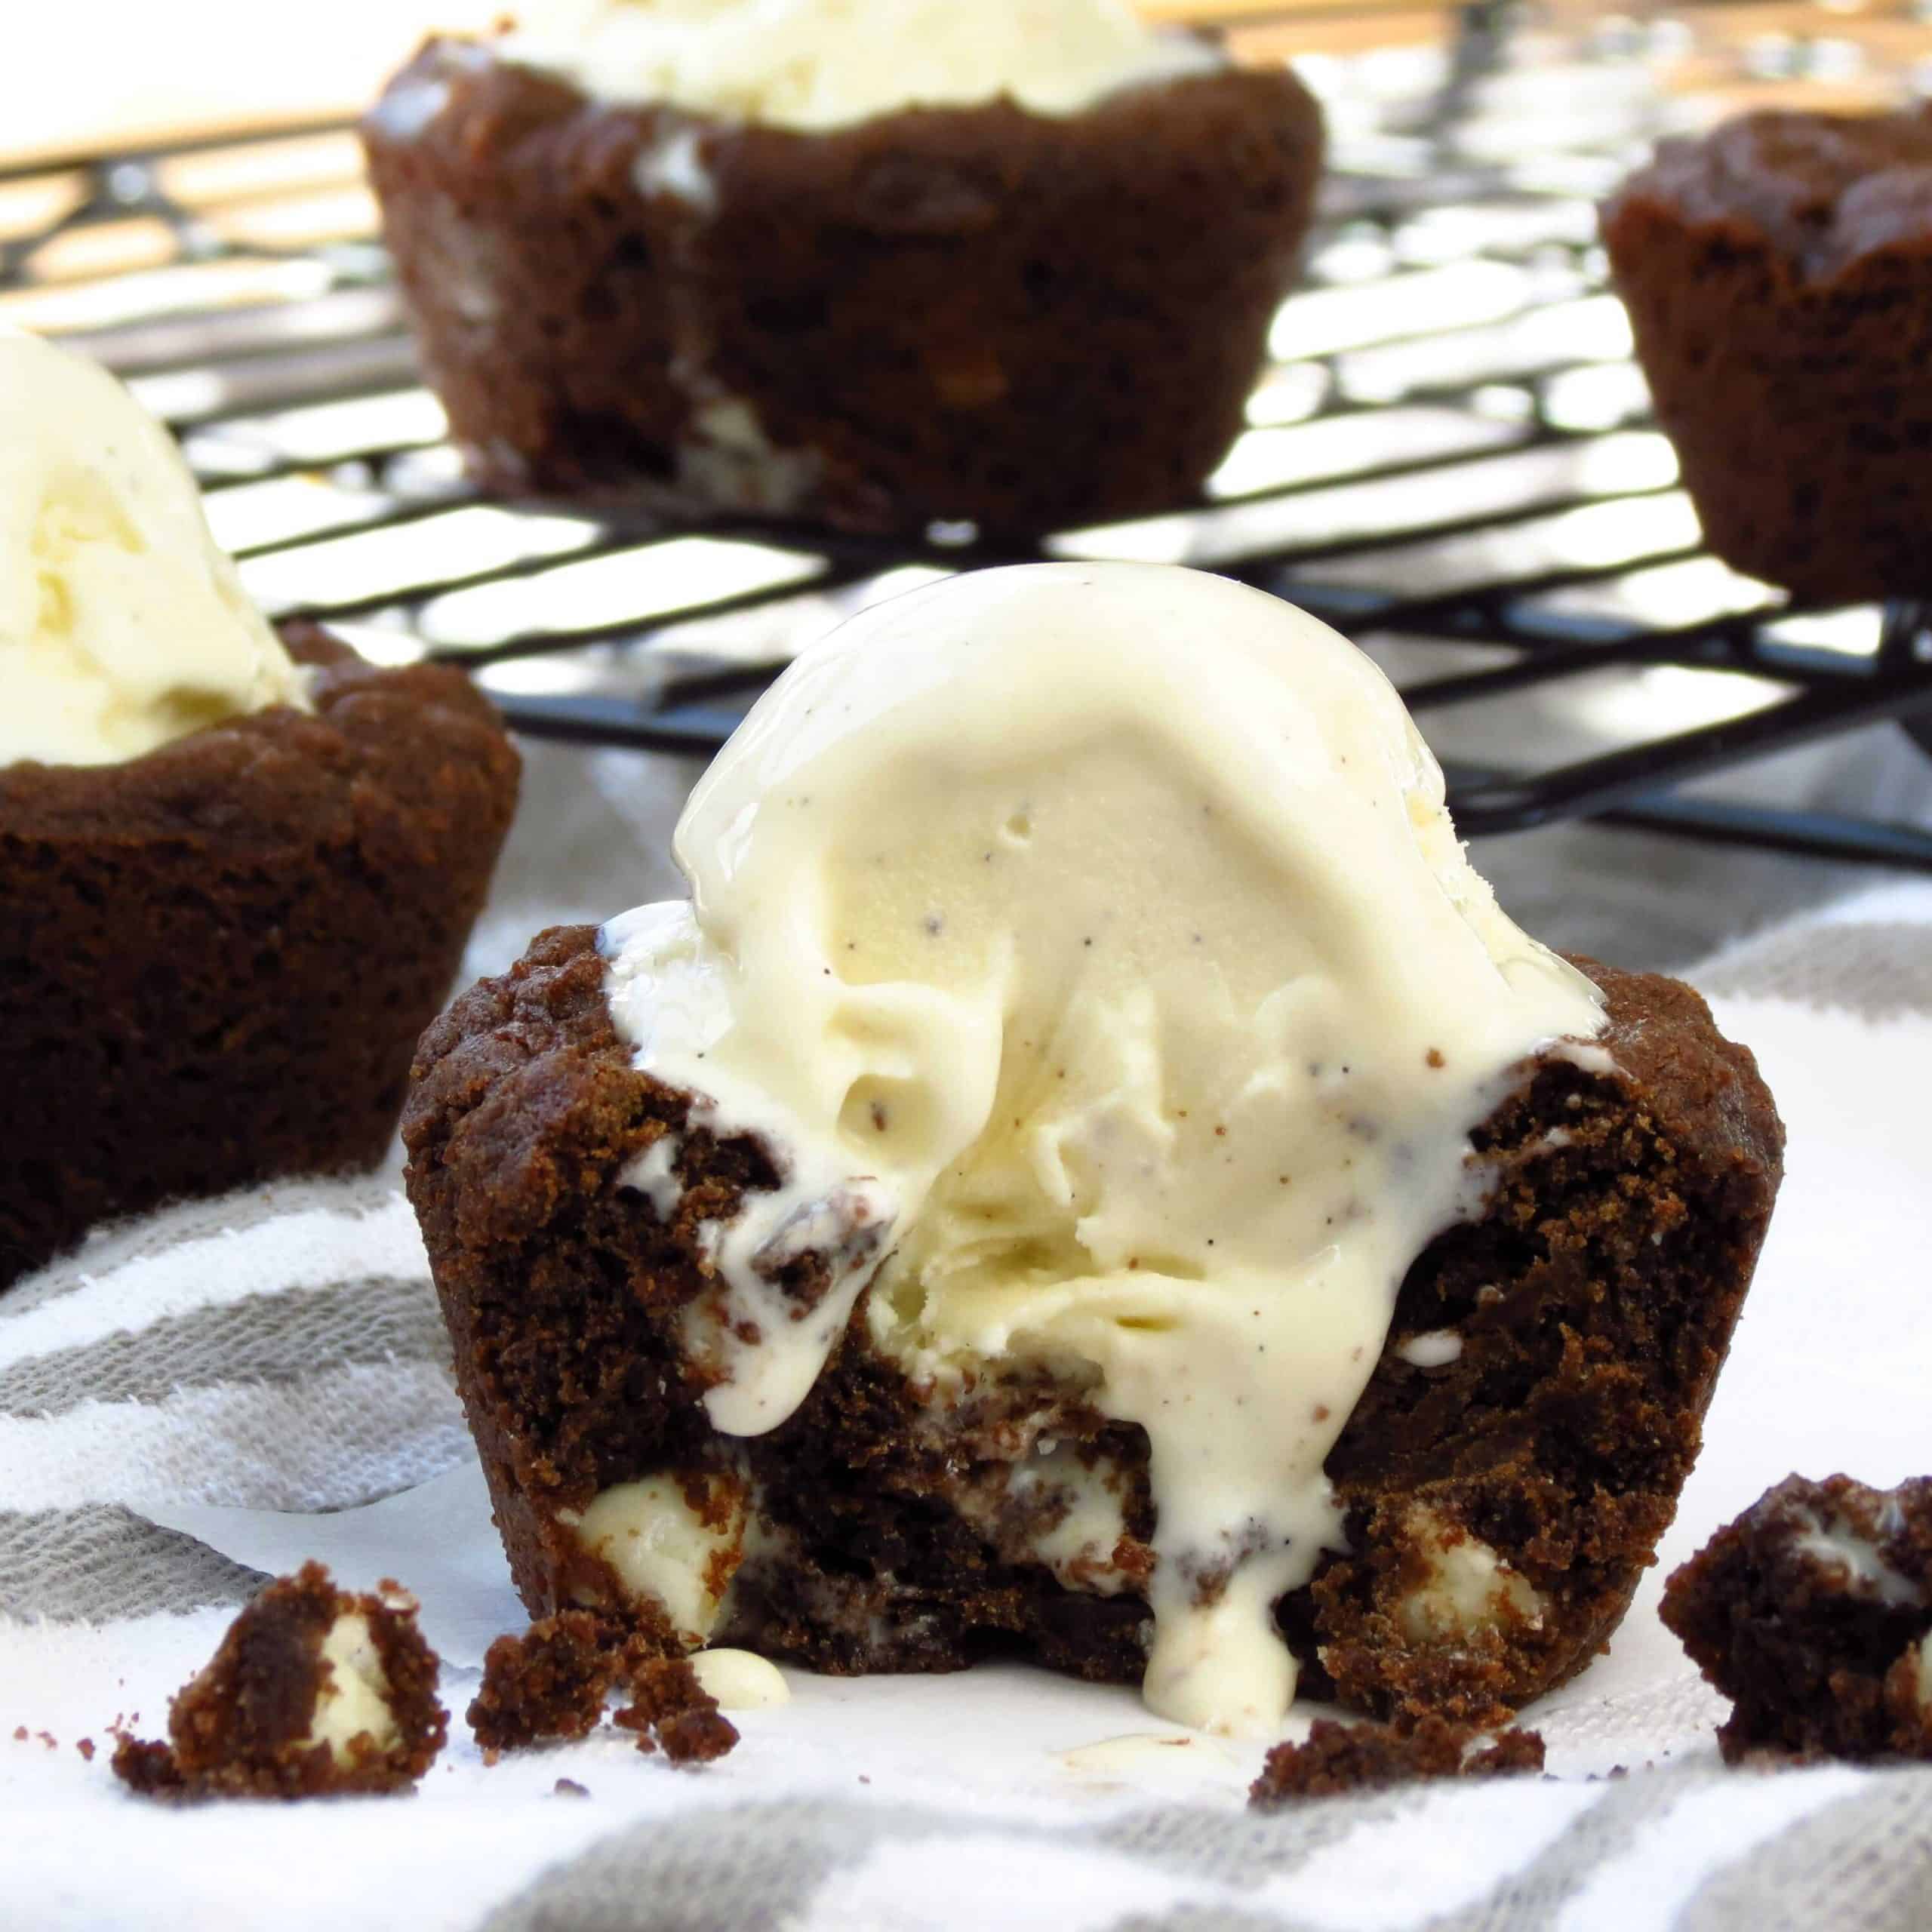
(979, 313)
(1779, 278)
(216, 958)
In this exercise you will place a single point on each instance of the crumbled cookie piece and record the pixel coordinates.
(1338, 1758)
(548, 1685)
(148, 1767)
(313, 1690)
(1812, 1612)
(671, 1708)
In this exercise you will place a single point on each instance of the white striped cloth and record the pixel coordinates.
(280, 1351)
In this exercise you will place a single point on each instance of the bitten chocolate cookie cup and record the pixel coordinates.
(215, 959)
(1519, 1450)
(1778, 276)
(980, 313)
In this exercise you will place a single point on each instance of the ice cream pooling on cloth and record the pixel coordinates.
(816, 64)
(122, 625)
(1092, 942)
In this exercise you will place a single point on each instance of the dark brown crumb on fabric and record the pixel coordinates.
(670, 1709)
(569, 1787)
(85, 1747)
(548, 1685)
(147, 1768)
(243, 1728)
(1337, 1758)
(1812, 1612)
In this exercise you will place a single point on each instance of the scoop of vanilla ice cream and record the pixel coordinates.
(122, 626)
(1098, 933)
(815, 64)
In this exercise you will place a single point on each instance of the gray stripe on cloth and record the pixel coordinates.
(1234, 1849)
(113, 1244)
(1879, 971)
(765, 1864)
(1228, 1850)
(1529, 1900)
(1216, 1917)
(1865, 1861)
(1226, 1846)
(768, 1864)
(144, 1237)
(751, 1865)
(269, 1338)
(101, 1562)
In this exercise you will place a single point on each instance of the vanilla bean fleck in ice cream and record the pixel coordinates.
(122, 624)
(815, 64)
(1091, 948)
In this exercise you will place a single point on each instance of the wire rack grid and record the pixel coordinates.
(1451, 452)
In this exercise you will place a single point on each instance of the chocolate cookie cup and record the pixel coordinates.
(1505, 1477)
(980, 313)
(1778, 273)
(215, 959)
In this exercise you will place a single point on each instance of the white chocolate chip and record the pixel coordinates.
(353, 1697)
(741, 1680)
(1470, 1589)
(663, 1551)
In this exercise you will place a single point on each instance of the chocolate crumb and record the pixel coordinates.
(669, 1704)
(148, 1768)
(548, 1685)
(1812, 1611)
(551, 1683)
(569, 1787)
(1337, 1758)
(243, 1726)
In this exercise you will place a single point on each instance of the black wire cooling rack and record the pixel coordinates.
(1451, 453)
